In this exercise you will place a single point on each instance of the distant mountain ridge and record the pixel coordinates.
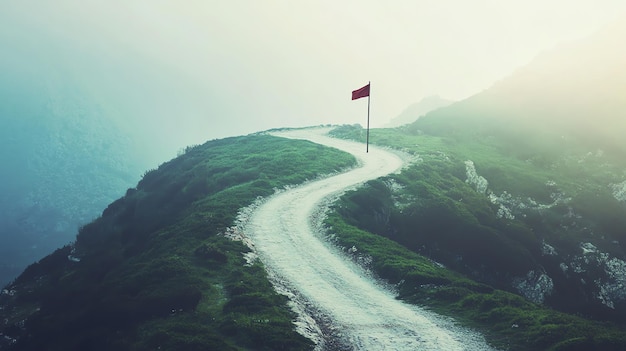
(577, 89)
(156, 269)
(418, 109)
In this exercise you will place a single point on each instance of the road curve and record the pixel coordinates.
(357, 313)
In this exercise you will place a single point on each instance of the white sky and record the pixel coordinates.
(208, 69)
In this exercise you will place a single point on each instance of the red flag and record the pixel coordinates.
(361, 92)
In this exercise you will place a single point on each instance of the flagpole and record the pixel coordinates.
(367, 142)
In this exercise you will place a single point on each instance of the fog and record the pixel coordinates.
(178, 73)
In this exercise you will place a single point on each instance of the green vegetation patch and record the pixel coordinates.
(153, 273)
(509, 322)
(543, 195)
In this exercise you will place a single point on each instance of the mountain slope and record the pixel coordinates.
(418, 109)
(572, 95)
(519, 187)
(529, 249)
(154, 271)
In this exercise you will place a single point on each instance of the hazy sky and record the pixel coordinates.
(207, 69)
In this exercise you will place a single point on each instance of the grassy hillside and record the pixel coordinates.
(504, 244)
(153, 272)
(522, 186)
(537, 230)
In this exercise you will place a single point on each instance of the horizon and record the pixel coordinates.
(208, 71)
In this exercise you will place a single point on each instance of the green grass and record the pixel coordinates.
(438, 216)
(155, 274)
(508, 321)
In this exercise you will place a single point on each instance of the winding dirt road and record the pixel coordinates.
(340, 307)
